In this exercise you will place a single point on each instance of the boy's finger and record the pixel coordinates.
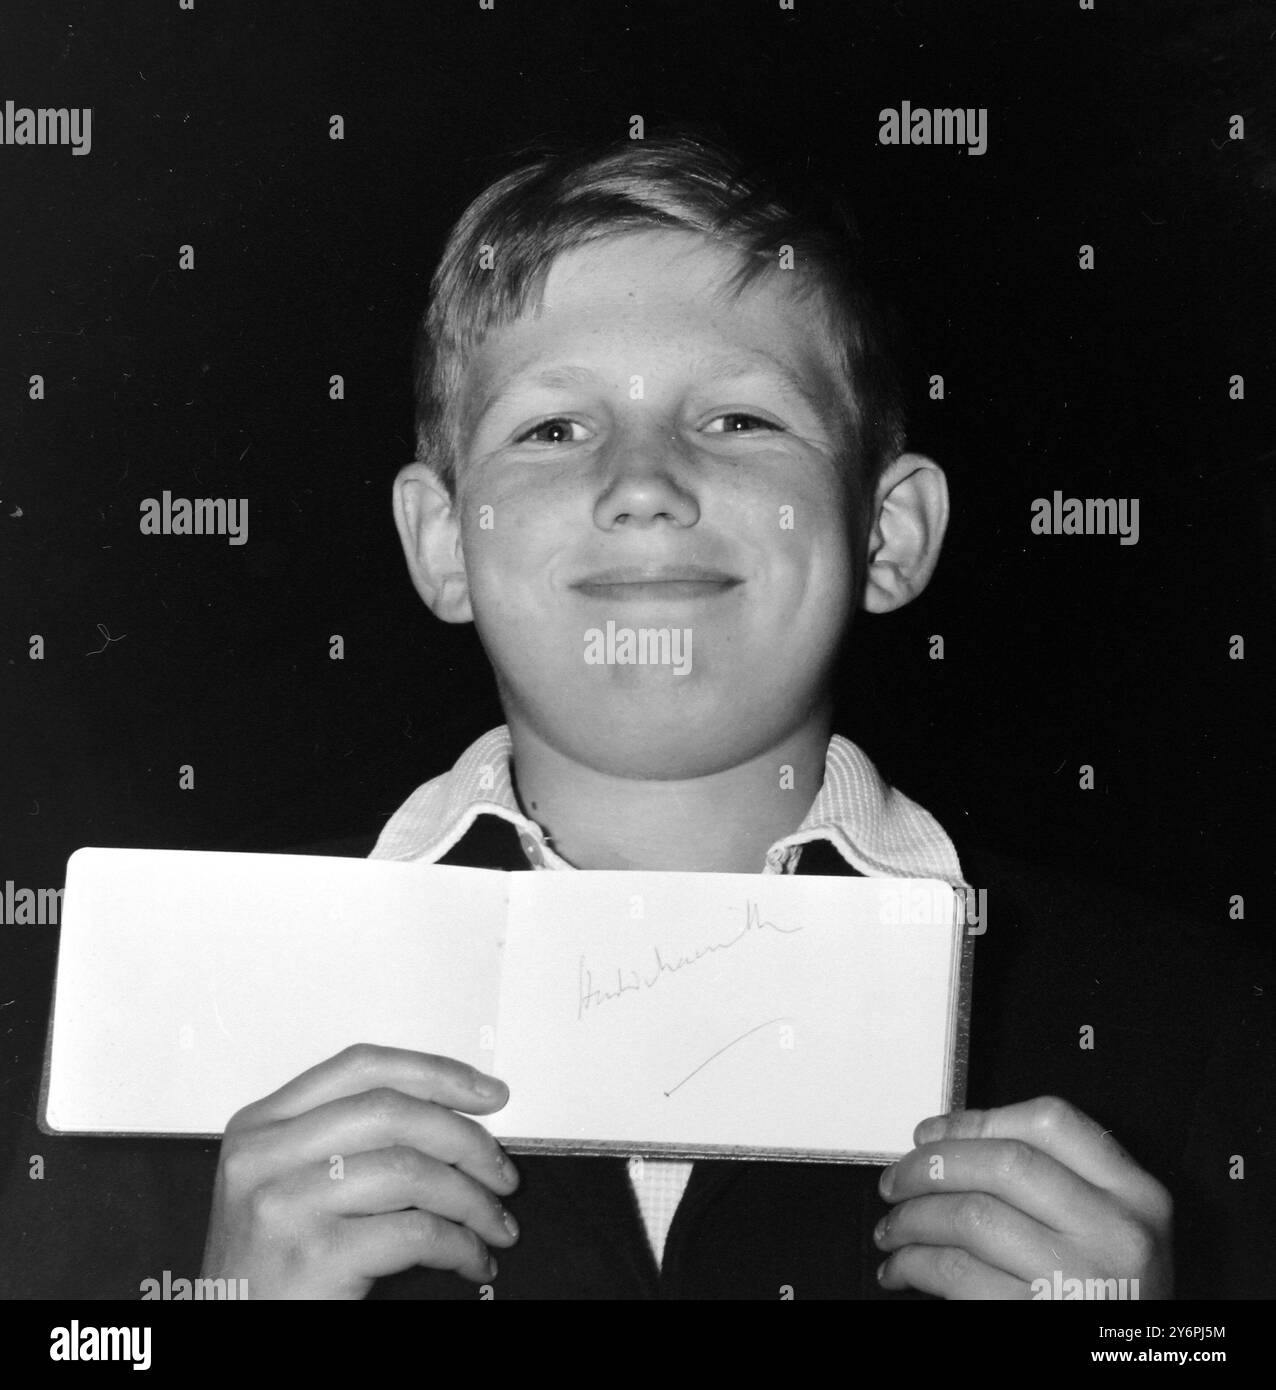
(1028, 1178)
(389, 1180)
(370, 1120)
(365, 1067)
(379, 1245)
(1055, 1127)
(948, 1273)
(1000, 1235)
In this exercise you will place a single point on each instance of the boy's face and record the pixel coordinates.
(650, 452)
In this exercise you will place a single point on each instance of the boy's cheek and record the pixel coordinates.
(523, 517)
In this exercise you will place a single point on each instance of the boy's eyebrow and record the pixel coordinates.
(564, 376)
(750, 363)
(557, 378)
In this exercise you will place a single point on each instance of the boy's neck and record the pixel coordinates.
(721, 823)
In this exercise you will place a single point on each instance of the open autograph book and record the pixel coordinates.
(677, 1014)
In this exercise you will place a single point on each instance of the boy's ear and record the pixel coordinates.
(910, 517)
(430, 531)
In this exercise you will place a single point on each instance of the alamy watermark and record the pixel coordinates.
(30, 907)
(48, 125)
(76, 1343)
(204, 516)
(644, 646)
(1086, 516)
(965, 126)
(928, 905)
(171, 1290)
(1111, 1290)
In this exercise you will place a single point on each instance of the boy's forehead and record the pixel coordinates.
(658, 289)
(648, 264)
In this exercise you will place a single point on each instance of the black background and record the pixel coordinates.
(312, 258)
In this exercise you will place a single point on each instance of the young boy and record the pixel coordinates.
(650, 396)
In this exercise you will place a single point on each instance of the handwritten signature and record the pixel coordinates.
(635, 981)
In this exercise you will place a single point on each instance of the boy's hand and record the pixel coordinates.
(1021, 1191)
(358, 1168)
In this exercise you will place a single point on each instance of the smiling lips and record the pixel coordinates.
(656, 582)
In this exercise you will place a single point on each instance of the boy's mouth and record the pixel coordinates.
(666, 582)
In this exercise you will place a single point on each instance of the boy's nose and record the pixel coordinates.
(643, 486)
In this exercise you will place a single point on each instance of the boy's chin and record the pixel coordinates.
(661, 744)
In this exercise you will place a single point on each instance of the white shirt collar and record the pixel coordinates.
(876, 829)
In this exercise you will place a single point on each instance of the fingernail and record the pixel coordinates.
(508, 1171)
(486, 1086)
(887, 1180)
(491, 1267)
(507, 1220)
(879, 1231)
(881, 1268)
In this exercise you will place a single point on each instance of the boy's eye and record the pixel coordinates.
(556, 431)
(737, 422)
